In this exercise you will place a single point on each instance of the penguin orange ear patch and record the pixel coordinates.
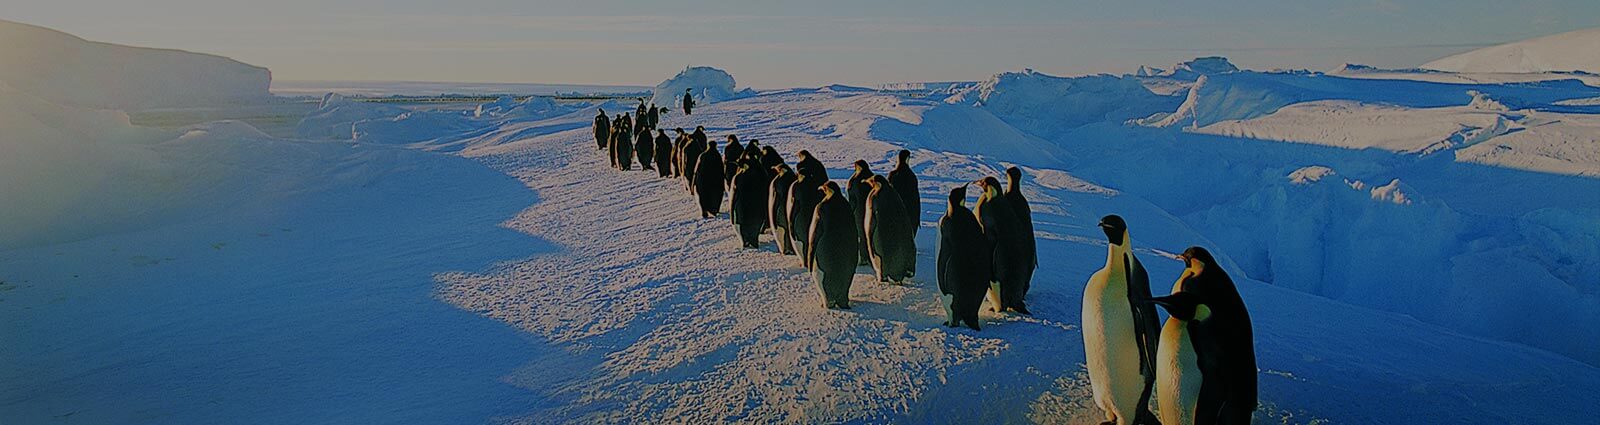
(1201, 313)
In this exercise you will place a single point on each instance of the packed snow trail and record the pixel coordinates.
(664, 318)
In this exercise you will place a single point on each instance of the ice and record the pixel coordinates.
(707, 84)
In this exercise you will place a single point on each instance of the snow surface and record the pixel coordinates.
(68, 70)
(392, 268)
(1569, 51)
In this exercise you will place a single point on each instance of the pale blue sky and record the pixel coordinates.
(794, 43)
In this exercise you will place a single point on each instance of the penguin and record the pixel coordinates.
(747, 208)
(1024, 213)
(708, 181)
(663, 150)
(778, 207)
(731, 156)
(963, 258)
(1189, 384)
(1120, 331)
(857, 189)
(1000, 229)
(644, 146)
(1230, 327)
(611, 142)
(688, 102)
(832, 245)
(809, 166)
(891, 238)
(602, 130)
(905, 182)
(770, 157)
(679, 145)
(803, 198)
(691, 155)
(624, 152)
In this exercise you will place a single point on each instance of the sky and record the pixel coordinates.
(771, 44)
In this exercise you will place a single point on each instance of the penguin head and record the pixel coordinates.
(861, 165)
(877, 181)
(829, 189)
(768, 150)
(1185, 306)
(711, 144)
(1198, 258)
(602, 111)
(990, 186)
(782, 169)
(904, 155)
(1115, 228)
(803, 154)
(1014, 173)
(958, 195)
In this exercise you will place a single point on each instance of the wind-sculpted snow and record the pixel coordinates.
(1044, 105)
(68, 70)
(707, 85)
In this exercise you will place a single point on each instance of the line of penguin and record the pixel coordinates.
(1199, 365)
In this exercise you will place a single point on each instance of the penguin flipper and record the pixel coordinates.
(1145, 320)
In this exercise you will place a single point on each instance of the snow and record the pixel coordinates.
(421, 264)
(708, 85)
(68, 70)
(1568, 51)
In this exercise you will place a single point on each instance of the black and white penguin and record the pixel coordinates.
(803, 197)
(747, 208)
(963, 258)
(1001, 229)
(645, 147)
(730, 157)
(1024, 213)
(1189, 387)
(680, 145)
(663, 152)
(778, 207)
(770, 157)
(691, 155)
(857, 189)
(708, 184)
(602, 130)
(891, 238)
(832, 246)
(1229, 327)
(1120, 330)
(808, 165)
(624, 150)
(905, 183)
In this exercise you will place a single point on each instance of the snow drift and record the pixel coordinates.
(708, 85)
(1044, 104)
(1569, 51)
(68, 70)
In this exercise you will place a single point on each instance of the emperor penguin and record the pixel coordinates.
(1230, 327)
(770, 157)
(778, 207)
(1120, 330)
(891, 237)
(663, 150)
(645, 147)
(747, 208)
(963, 262)
(808, 165)
(857, 189)
(833, 248)
(804, 195)
(602, 130)
(625, 150)
(708, 179)
(691, 155)
(1024, 213)
(730, 157)
(905, 184)
(1001, 229)
(1189, 384)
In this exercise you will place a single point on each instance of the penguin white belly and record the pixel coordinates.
(1178, 376)
(1110, 348)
